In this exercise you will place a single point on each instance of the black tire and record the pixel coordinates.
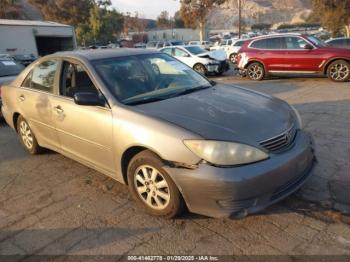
(256, 71)
(199, 68)
(174, 206)
(339, 71)
(233, 58)
(31, 146)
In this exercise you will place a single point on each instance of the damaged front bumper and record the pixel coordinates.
(217, 68)
(239, 191)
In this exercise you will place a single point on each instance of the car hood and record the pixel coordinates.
(219, 55)
(225, 113)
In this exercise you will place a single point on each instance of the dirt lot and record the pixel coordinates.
(52, 205)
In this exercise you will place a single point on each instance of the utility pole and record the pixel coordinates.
(239, 18)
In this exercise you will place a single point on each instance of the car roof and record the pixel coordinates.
(104, 53)
(276, 35)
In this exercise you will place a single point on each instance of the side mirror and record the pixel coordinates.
(308, 47)
(88, 99)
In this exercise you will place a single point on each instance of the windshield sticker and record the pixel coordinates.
(9, 63)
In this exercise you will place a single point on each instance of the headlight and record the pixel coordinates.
(225, 153)
(297, 117)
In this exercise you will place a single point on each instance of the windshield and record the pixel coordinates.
(316, 41)
(146, 78)
(195, 50)
(9, 67)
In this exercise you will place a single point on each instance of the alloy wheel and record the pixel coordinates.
(152, 187)
(200, 69)
(339, 71)
(26, 135)
(233, 58)
(255, 72)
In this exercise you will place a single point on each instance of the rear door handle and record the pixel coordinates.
(21, 98)
(59, 109)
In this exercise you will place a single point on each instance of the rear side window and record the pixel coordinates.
(9, 68)
(42, 77)
(259, 44)
(274, 43)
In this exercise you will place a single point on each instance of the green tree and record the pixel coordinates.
(164, 21)
(64, 11)
(178, 21)
(333, 15)
(195, 12)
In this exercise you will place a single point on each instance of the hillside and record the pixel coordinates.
(259, 11)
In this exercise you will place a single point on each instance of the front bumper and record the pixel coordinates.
(239, 191)
(219, 68)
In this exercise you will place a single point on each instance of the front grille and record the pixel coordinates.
(280, 142)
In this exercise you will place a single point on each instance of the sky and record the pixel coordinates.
(147, 8)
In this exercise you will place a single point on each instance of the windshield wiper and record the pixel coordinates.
(191, 90)
(145, 101)
(159, 98)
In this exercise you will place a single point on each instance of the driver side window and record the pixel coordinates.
(75, 80)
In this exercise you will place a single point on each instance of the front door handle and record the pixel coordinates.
(21, 98)
(59, 109)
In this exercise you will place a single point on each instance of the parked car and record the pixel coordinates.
(175, 138)
(342, 42)
(204, 44)
(199, 59)
(9, 69)
(293, 54)
(161, 44)
(222, 44)
(25, 59)
(140, 45)
(233, 49)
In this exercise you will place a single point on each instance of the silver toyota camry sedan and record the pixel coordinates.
(149, 121)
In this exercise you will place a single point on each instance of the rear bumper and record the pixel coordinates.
(239, 191)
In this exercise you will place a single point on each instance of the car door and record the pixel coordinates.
(270, 51)
(184, 56)
(301, 59)
(35, 100)
(85, 132)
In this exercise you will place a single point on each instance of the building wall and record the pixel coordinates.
(21, 39)
(173, 34)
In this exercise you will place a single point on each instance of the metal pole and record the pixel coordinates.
(239, 18)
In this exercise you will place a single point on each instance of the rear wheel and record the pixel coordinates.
(200, 69)
(27, 137)
(256, 71)
(152, 188)
(339, 71)
(233, 58)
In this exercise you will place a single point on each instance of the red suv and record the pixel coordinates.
(292, 54)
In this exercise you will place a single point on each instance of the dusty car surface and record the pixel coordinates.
(151, 122)
(9, 69)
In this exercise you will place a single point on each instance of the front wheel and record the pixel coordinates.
(200, 69)
(256, 71)
(152, 188)
(339, 71)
